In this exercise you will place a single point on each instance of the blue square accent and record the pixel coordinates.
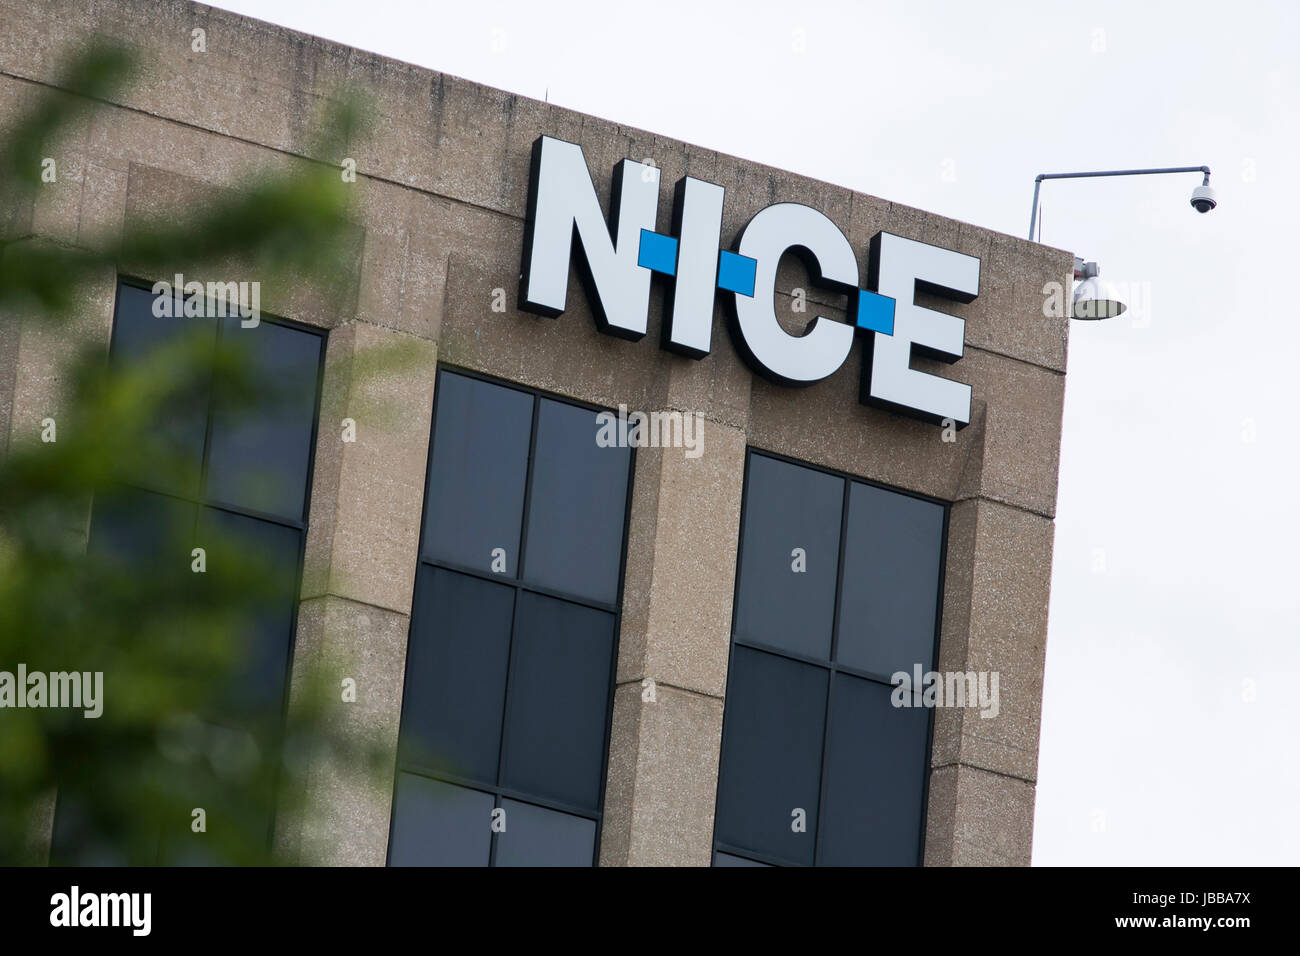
(657, 253)
(875, 312)
(736, 273)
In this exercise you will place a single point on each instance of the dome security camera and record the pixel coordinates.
(1203, 199)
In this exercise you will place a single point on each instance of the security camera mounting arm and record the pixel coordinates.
(1203, 199)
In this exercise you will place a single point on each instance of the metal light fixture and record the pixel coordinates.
(1094, 298)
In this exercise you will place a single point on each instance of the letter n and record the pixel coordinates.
(562, 203)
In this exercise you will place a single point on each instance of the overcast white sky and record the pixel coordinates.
(1172, 698)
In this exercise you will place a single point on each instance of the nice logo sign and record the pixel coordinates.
(619, 258)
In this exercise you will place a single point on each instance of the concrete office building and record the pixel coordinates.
(646, 655)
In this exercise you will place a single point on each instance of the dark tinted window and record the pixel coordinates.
(535, 836)
(456, 665)
(255, 462)
(145, 343)
(875, 776)
(559, 690)
(773, 764)
(790, 543)
(810, 724)
(441, 824)
(143, 530)
(256, 690)
(891, 572)
(258, 456)
(726, 859)
(238, 813)
(509, 676)
(474, 503)
(575, 512)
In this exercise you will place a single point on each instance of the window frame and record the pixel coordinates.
(200, 501)
(497, 791)
(829, 665)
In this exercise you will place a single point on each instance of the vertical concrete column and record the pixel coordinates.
(984, 768)
(676, 632)
(358, 580)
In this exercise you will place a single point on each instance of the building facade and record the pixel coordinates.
(646, 652)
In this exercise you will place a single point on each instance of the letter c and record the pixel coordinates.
(775, 353)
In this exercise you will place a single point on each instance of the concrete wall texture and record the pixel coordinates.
(440, 197)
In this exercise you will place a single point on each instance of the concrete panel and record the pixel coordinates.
(368, 494)
(347, 794)
(995, 620)
(669, 821)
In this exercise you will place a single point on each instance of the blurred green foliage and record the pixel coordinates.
(168, 641)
